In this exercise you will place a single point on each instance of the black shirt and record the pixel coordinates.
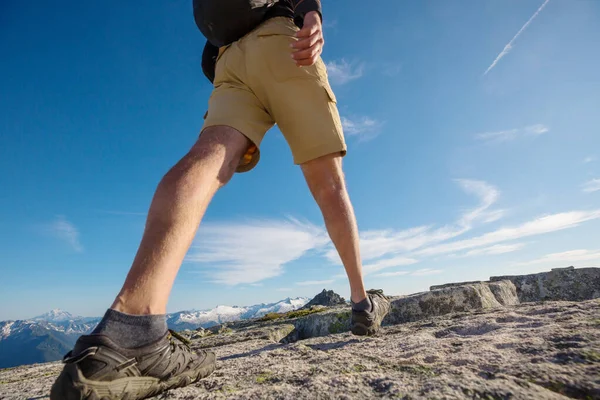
(295, 9)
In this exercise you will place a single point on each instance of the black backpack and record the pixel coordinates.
(225, 21)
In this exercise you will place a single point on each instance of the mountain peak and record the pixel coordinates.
(55, 315)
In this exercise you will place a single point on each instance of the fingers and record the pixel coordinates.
(308, 50)
(307, 42)
(307, 31)
(309, 56)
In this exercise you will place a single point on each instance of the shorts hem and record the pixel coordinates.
(320, 151)
(238, 126)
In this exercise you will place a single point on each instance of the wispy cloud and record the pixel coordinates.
(589, 159)
(377, 244)
(419, 272)
(495, 249)
(538, 226)
(426, 272)
(511, 134)
(315, 283)
(591, 186)
(252, 251)
(364, 128)
(66, 231)
(234, 253)
(391, 69)
(113, 212)
(391, 274)
(387, 263)
(566, 257)
(487, 195)
(342, 72)
(330, 23)
(509, 46)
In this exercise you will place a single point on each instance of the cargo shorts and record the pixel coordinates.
(257, 85)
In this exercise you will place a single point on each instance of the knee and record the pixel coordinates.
(329, 188)
(213, 159)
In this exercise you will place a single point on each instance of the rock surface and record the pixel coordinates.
(452, 298)
(458, 341)
(327, 298)
(528, 351)
(568, 284)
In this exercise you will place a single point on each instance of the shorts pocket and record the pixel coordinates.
(330, 93)
(276, 54)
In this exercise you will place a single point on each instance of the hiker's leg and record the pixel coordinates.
(177, 208)
(325, 180)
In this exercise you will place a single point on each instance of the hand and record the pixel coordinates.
(309, 45)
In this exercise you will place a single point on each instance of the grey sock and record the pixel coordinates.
(130, 331)
(364, 305)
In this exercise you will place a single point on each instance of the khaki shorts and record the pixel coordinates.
(257, 85)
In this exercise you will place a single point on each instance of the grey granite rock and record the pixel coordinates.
(470, 340)
(327, 298)
(569, 284)
(451, 299)
(271, 333)
(528, 351)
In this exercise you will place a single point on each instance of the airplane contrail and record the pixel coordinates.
(509, 45)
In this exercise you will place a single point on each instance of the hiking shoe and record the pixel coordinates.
(369, 322)
(98, 369)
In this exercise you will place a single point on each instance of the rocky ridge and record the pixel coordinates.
(458, 341)
(327, 298)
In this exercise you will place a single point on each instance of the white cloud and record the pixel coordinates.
(234, 253)
(387, 263)
(591, 186)
(250, 252)
(509, 46)
(390, 274)
(364, 128)
(330, 23)
(495, 249)
(538, 226)
(537, 129)
(511, 134)
(487, 194)
(389, 243)
(315, 283)
(114, 212)
(65, 231)
(426, 272)
(391, 69)
(589, 159)
(341, 72)
(566, 257)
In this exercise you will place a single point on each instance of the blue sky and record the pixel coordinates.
(473, 133)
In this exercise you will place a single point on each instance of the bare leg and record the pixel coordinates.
(177, 208)
(325, 180)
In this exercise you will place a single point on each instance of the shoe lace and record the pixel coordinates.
(181, 343)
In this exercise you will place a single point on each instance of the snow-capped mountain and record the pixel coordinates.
(49, 336)
(55, 315)
(218, 315)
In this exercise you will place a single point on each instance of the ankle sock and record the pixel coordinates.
(364, 305)
(131, 331)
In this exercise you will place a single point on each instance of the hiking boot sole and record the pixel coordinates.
(359, 329)
(72, 385)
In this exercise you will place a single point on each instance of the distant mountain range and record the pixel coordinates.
(51, 335)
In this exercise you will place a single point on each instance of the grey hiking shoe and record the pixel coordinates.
(98, 369)
(369, 322)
